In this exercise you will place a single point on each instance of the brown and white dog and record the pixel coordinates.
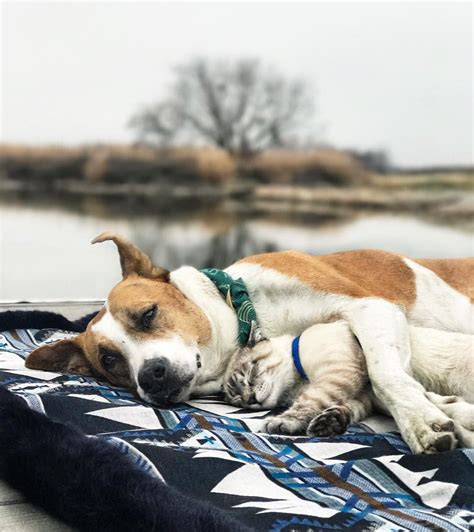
(170, 334)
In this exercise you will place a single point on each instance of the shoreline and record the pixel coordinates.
(390, 194)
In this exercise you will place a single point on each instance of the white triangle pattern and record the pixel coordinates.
(323, 450)
(250, 481)
(435, 494)
(138, 416)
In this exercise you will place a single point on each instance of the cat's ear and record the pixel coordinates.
(255, 336)
(65, 356)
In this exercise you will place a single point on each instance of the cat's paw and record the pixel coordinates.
(331, 422)
(284, 424)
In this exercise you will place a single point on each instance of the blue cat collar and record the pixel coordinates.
(295, 353)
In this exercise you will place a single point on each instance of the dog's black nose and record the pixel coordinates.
(152, 375)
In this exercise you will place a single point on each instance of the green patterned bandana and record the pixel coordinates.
(237, 297)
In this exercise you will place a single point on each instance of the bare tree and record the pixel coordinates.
(239, 106)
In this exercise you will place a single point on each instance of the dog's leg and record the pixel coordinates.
(382, 330)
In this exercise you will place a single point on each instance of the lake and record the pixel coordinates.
(45, 250)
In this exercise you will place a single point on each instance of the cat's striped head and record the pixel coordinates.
(259, 377)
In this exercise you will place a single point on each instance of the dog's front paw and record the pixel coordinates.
(331, 422)
(284, 424)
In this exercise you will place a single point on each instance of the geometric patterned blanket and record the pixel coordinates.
(362, 480)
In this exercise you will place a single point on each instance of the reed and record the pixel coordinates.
(144, 164)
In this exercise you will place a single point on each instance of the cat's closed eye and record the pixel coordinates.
(252, 400)
(253, 374)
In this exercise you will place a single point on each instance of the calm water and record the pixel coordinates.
(45, 251)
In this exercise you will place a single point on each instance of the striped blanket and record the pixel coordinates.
(365, 479)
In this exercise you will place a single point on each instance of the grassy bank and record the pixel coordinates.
(98, 165)
(116, 164)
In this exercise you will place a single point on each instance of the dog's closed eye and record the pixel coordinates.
(144, 320)
(108, 358)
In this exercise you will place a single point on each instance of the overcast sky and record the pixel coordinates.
(388, 75)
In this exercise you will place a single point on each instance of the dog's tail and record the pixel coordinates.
(89, 483)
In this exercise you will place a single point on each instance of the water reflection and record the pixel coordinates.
(175, 244)
(45, 251)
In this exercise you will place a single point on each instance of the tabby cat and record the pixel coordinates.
(338, 390)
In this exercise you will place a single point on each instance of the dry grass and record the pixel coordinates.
(211, 164)
(101, 163)
(100, 159)
(142, 164)
(26, 152)
(308, 167)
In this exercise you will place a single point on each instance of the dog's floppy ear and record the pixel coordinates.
(65, 356)
(132, 259)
